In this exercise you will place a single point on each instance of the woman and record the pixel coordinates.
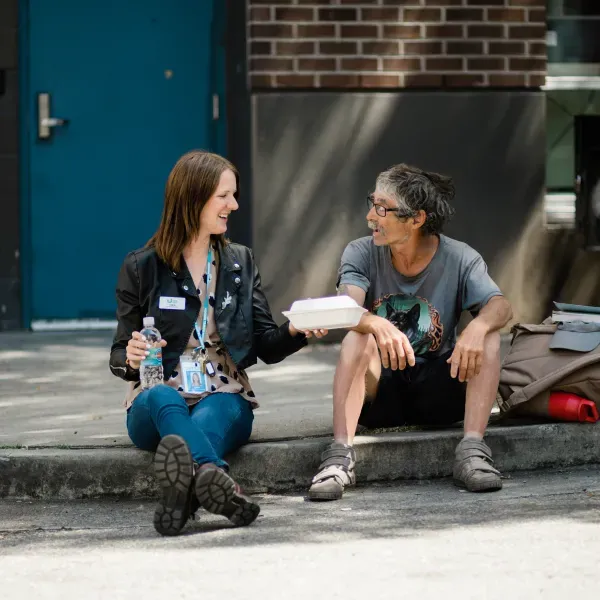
(206, 298)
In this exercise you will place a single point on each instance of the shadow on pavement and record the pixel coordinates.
(373, 512)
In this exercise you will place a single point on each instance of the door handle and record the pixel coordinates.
(53, 122)
(45, 121)
(215, 107)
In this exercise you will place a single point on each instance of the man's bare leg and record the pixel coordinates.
(473, 466)
(482, 389)
(356, 375)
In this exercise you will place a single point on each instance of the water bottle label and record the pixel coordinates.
(154, 358)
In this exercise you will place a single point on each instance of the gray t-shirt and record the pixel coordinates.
(425, 307)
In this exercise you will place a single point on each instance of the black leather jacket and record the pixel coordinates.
(244, 321)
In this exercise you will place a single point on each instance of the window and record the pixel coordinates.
(574, 37)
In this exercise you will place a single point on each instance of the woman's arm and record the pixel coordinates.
(272, 343)
(129, 319)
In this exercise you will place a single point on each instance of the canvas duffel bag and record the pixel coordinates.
(532, 370)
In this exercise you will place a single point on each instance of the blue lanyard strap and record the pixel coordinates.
(202, 334)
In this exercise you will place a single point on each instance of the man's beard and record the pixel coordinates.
(373, 226)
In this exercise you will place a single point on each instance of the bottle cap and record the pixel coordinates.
(148, 321)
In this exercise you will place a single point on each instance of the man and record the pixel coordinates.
(402, 364)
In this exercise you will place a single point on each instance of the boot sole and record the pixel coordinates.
(216, 493)
(174, 469)
(243, 511)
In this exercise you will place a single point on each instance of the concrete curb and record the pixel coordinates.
(287, 465)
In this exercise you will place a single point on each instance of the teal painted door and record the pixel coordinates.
(134, 79)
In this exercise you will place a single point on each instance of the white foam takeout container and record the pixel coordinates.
(334, 312)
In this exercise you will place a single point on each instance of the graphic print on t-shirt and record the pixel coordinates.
(415, 317)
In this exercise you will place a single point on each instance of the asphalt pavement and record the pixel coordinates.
(537, 538)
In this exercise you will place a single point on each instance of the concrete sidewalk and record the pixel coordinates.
(56, 391)
(62, 431)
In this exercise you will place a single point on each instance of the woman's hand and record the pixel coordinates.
(137, 349)
(318, 333)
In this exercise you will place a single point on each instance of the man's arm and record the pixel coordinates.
(495, 314)
(357, 294)
(467, 357)
(393, 345)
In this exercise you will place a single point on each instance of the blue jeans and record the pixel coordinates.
(217, 425)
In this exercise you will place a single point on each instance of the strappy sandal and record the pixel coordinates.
(336, 472)
(474, 467)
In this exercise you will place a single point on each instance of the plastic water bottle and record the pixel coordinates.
(151, 368)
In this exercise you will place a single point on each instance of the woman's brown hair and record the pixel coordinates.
(191, 183)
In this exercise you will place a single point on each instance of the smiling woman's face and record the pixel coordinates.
(215, 213)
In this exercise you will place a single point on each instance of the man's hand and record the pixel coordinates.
(396, 351)
(394, 347)
(467, 358)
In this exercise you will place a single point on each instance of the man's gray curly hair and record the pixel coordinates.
(415, 190)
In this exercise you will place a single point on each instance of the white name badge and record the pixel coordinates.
(170, 303)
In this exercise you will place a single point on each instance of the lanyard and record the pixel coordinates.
(202, 334)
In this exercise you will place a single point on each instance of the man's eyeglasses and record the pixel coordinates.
(382, 211)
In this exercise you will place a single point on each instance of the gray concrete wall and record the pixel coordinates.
(316, 156)
(9, 167)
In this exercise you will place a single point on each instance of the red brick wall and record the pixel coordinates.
(396, 43)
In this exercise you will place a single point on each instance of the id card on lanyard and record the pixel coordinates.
(195, 380)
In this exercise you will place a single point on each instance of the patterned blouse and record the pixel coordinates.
(227, 377)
